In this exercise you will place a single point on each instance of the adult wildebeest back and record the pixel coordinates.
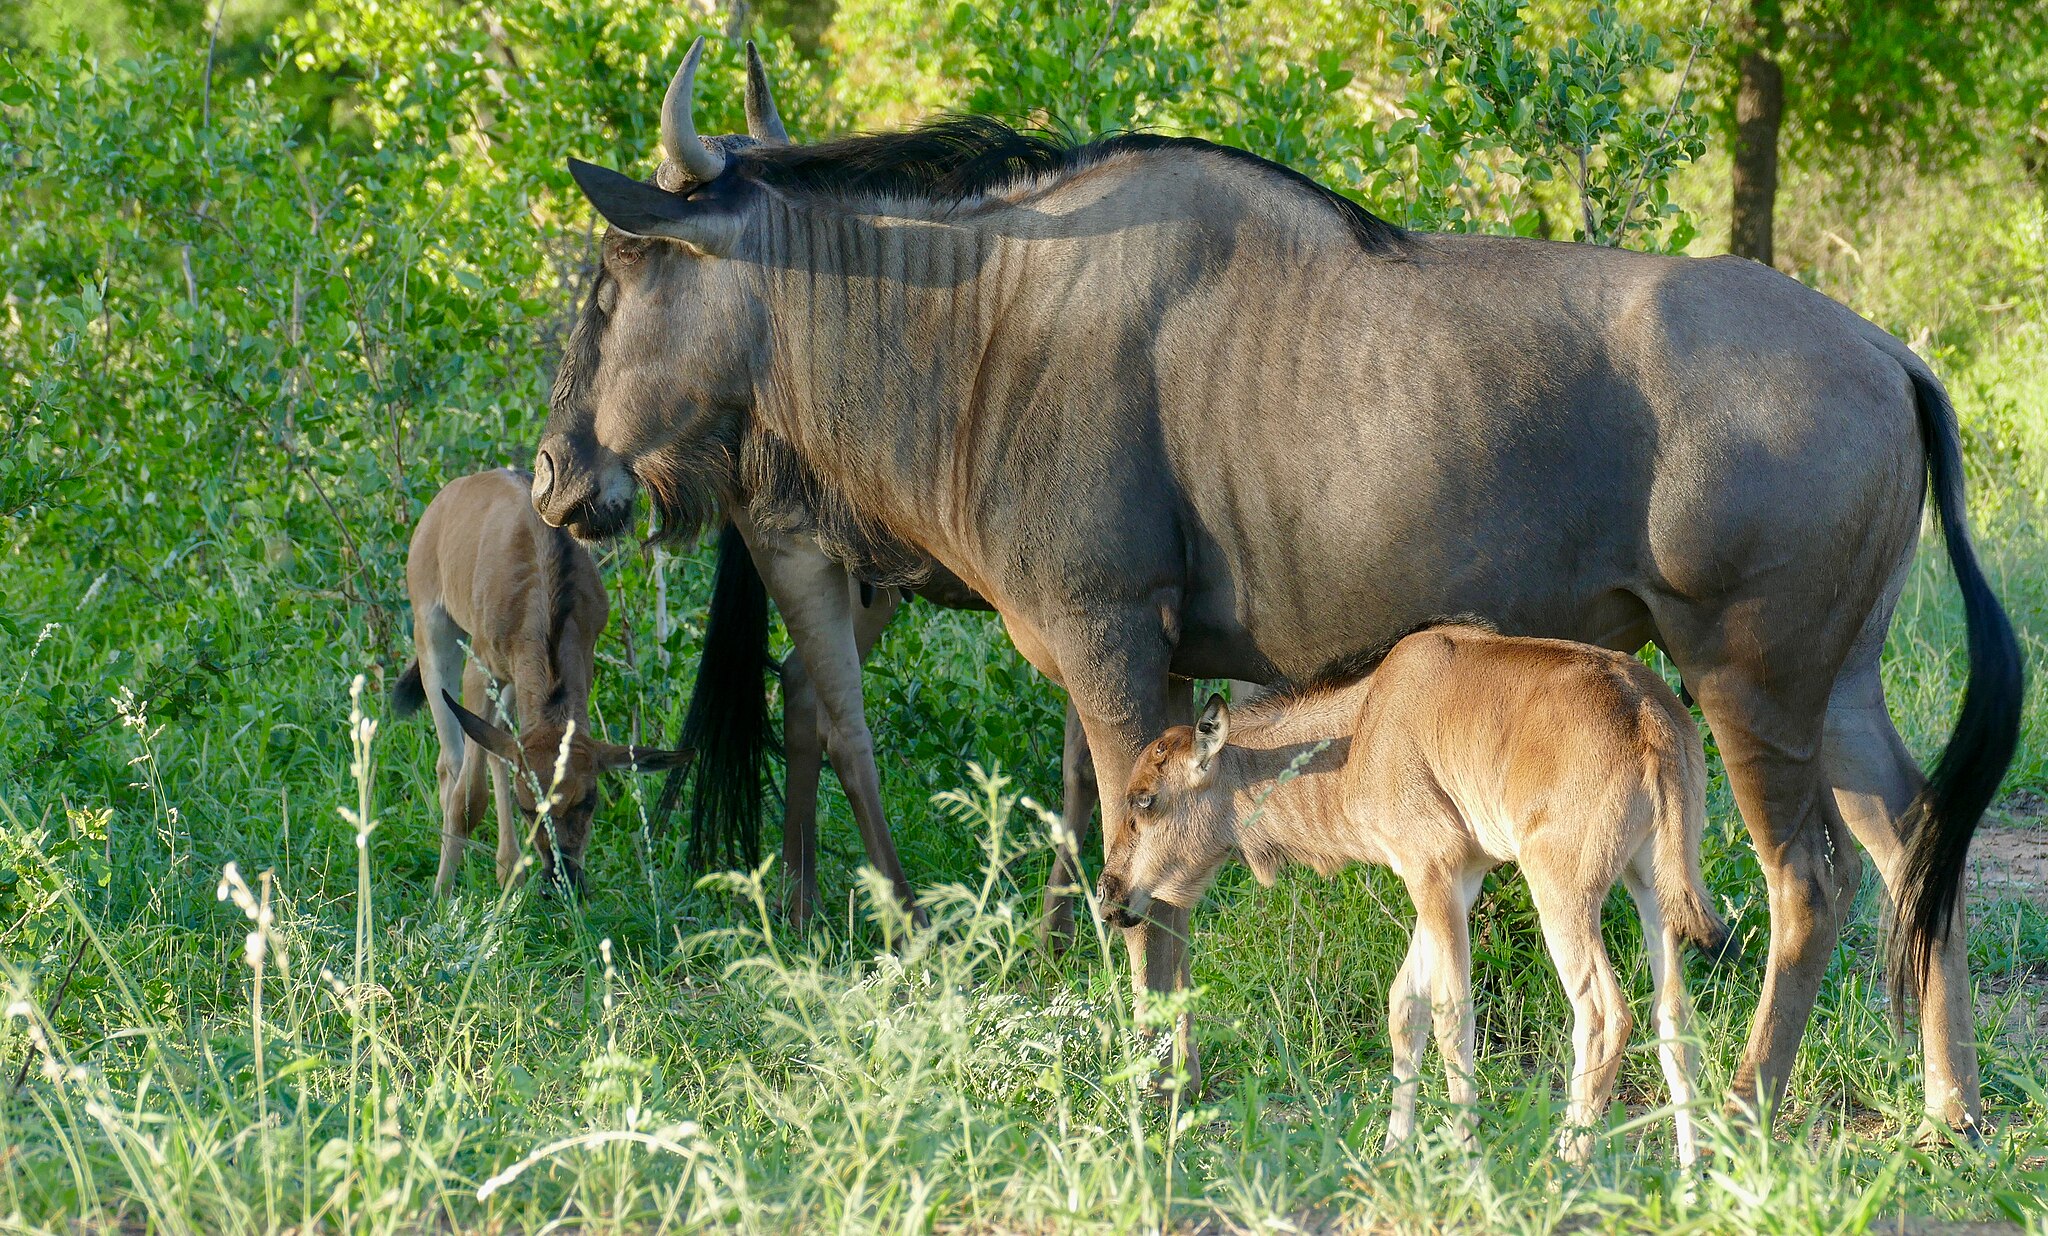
(1172, 409)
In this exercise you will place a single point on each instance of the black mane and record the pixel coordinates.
(960, 157)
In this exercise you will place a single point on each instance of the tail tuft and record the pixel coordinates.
(1940, 822)
(1699, 926)
(727, 724)
(410, 693)
(1680, 789)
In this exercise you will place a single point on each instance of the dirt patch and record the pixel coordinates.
(2009, 855)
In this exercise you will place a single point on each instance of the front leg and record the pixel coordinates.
(1120, 689)
(803, 760)
(819, 611)
(804, 725)
(1080, 789)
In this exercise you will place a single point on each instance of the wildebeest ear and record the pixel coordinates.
(1212, 730)
(481, 732)
(643, 759)
(645, 210)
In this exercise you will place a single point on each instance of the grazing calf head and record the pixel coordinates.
(1182, 824)
(572, 797)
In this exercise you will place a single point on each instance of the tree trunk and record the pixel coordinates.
(1759, 112)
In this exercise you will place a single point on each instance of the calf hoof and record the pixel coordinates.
(1574, 1146)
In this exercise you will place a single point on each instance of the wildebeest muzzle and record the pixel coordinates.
(583, 490)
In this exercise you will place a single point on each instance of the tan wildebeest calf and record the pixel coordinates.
(1460, 750)
(485, 569)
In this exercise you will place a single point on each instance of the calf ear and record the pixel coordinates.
(644, 759)
(1212, 730)
(481, 732)
(710, 227)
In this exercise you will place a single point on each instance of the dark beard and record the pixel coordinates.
(785, 496)
(690, 486)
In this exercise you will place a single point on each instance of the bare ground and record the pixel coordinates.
(2009, 857)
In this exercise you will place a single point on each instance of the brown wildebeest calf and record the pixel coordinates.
(1460, 750)
(484, 568)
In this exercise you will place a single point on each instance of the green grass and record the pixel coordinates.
(663, 1058)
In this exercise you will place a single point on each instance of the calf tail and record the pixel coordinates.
(410, 692)
(1682, 895)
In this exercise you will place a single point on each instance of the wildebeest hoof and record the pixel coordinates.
(1936, 1135)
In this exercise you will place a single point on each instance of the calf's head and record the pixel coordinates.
(1182, 824)
(570, 799)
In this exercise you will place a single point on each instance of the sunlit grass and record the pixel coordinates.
(665, 1056)
(495, 1063)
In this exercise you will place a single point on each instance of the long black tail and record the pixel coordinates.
(1941, 820)
(727, 723)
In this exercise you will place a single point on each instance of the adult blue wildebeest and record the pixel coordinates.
(1173, 409)
(834, 621)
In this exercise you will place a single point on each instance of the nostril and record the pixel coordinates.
(543, 476)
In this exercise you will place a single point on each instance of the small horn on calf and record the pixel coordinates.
(764, 123)
(679, 143)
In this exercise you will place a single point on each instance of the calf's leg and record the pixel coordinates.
(1676, 1051)
(436, 643)
(1408, 1020)
(1600, 1016)
(508, 856)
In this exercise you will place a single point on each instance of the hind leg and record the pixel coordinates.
(1570, 914)
(1676, 1051)
(436, 641)
(1874, 780)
